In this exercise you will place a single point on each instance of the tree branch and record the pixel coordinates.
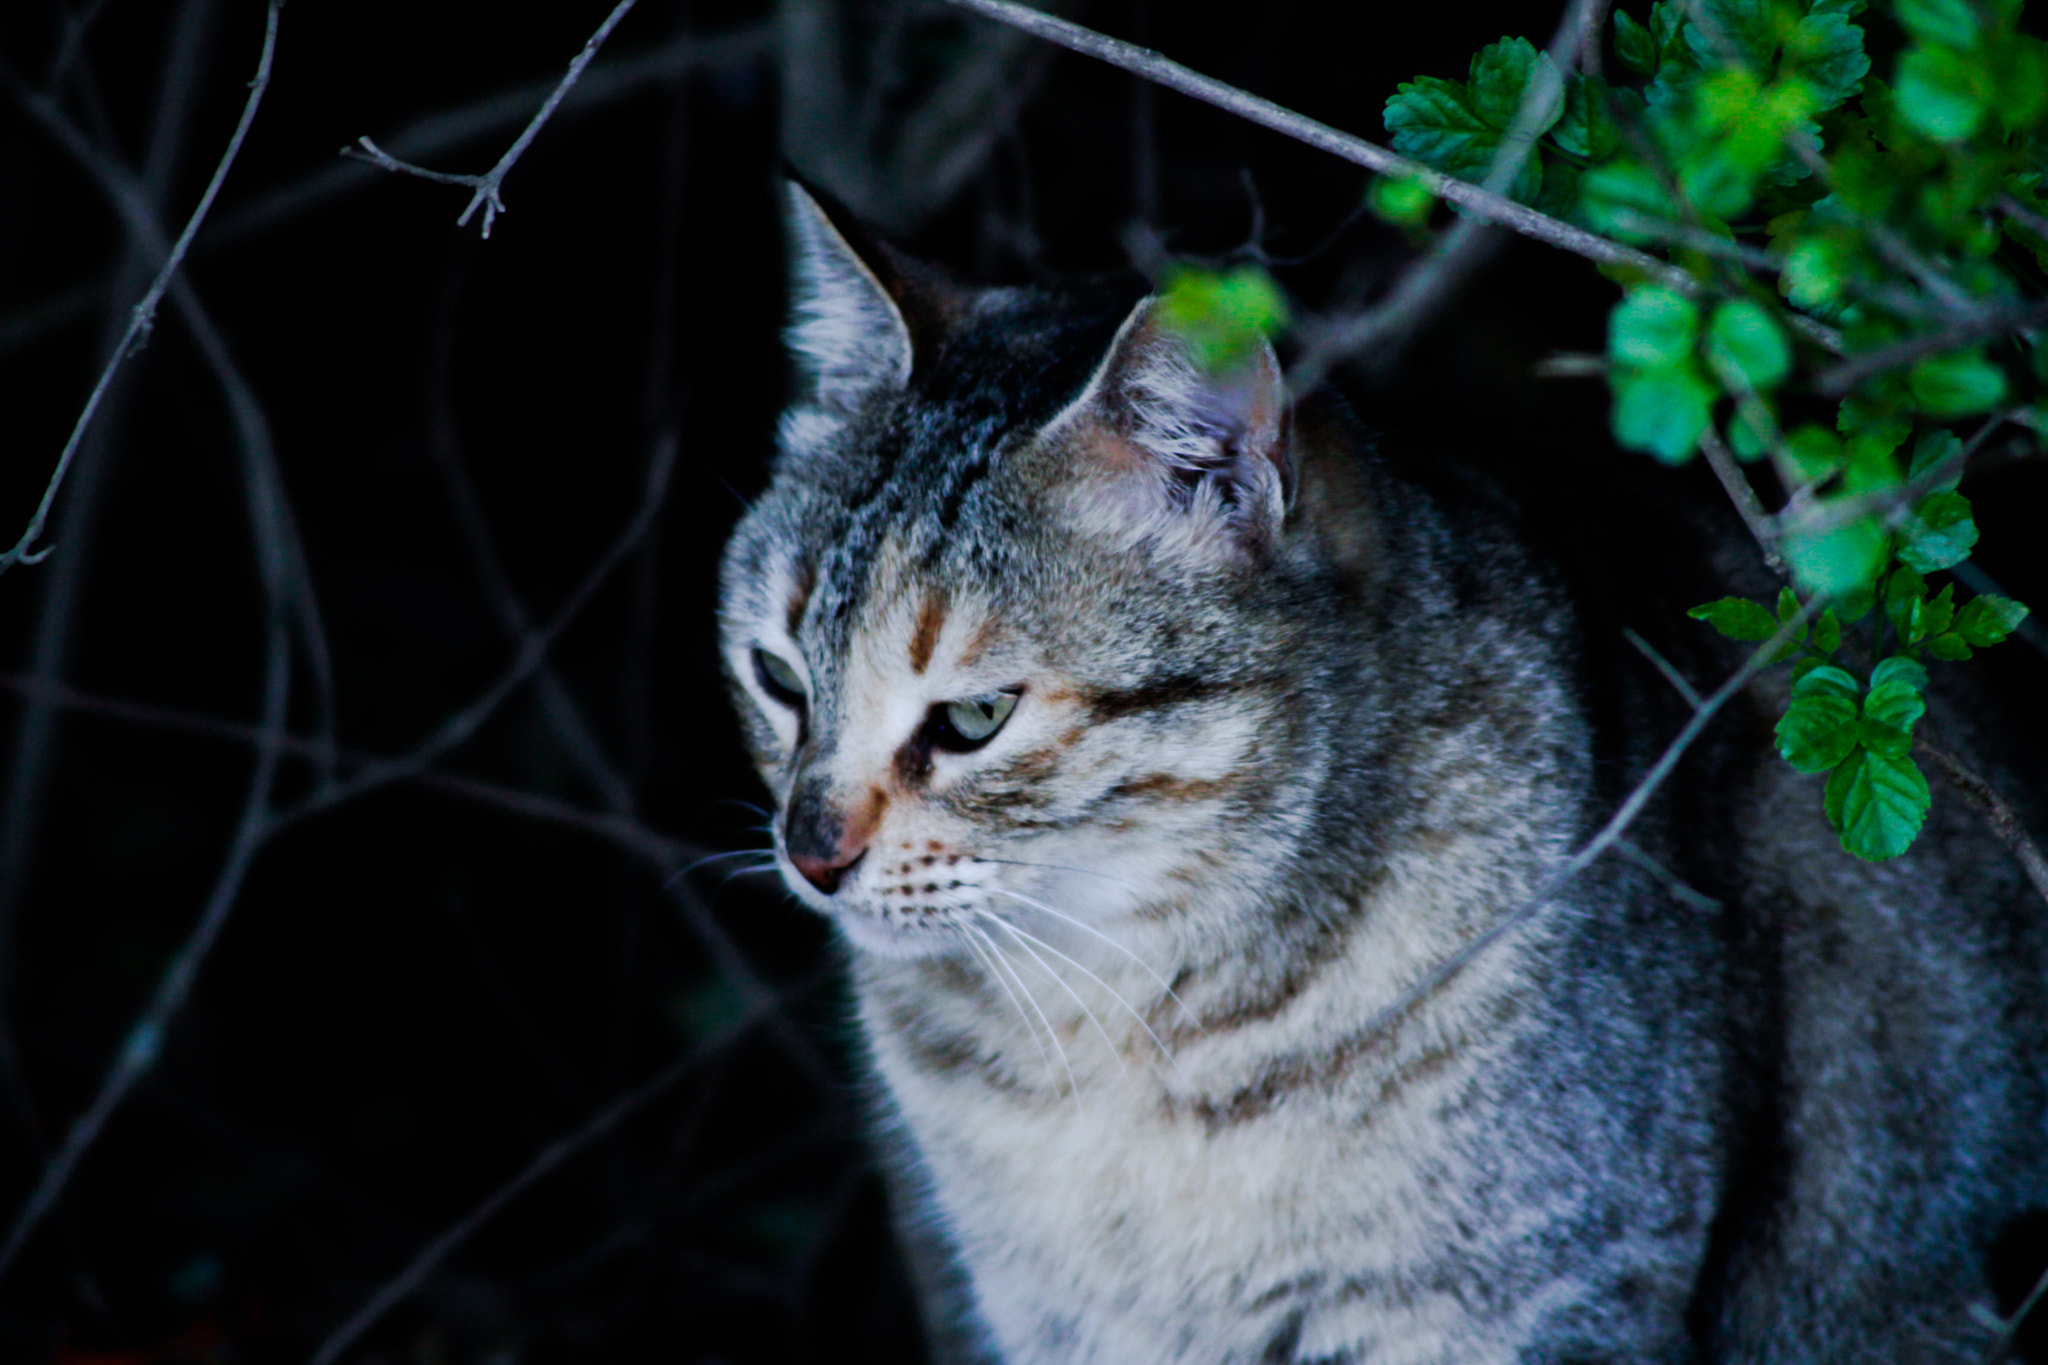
(44, 109)
(487, 185)
(1492, 208)
(1839, 379)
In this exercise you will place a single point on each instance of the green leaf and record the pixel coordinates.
(1827, 49)
(1432, 121)
(1877, 804)
(1634, 44)
(1900, 671)
(1616, 198)
(1987, 619)
(1932, 449)
(1738, 618)
(1941, 534)
(1956, 384)
(1502, 74)
(1587, 129)
(1652, 327)
(1940, 612)
(1745, 346)
(1837, 562)
(1949, 646)
(1827, 632)
(1224, 316)
(1904, 585)
(1828, 680)
(1788, 605)
(1402, 199)
(1662, 411)
(1744, 439)
(1750, 27)
(1818, 730)
(1813, 452)
(1941, 93)
(1952, 23)
(1816, 271)
(1908, 617)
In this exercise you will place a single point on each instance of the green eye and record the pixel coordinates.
(971, 723)
(779, 679)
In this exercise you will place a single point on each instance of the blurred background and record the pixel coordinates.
(460, 895)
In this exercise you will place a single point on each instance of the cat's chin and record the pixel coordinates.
(869, 934)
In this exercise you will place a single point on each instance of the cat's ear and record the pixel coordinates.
(1189, 442)
(846, 328)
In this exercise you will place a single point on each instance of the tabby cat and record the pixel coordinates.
(1154, 743)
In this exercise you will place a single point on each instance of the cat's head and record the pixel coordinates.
(1024, 623)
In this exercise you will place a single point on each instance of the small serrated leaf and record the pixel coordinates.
(1634, 44)
(1935, 448)
(1817, 731)
(1949, 646)
(1738, 618)
(1746, 347)
(1941, 610)
(1827, 632)
(1652, 327)
(1988, 619)
(1830, 679)
(1899, 671)
(1956, 385)
(1837, 562)
(1941, 534)
(1877, 804)
(1662, 411)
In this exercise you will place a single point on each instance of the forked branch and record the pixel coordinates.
(486, 187)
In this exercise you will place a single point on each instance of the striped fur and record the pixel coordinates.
(1148, 980)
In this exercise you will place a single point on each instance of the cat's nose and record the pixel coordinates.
(823, 839)
(824, 873)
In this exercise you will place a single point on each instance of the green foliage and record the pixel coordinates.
(1223, 315)
(1823, 211)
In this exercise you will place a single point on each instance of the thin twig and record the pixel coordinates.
(487, 185)
(1839, 379)
(1997, 812)
(144, 1041)
(1895, 502)
(1605, 838)
(1736, 484)
(1171, 74)
(1664, 666)
(45, 109)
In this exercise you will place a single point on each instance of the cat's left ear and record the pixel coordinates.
(845, 328)
(1187, 446)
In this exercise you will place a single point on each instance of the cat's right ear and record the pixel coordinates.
(845, 329)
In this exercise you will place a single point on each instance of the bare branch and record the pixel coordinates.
(1608, 834)
(1980, 324)
(1997, 812)
(44, 109)
(140, 1049)
(1492, 208)
(1736, 484)
(487, 185)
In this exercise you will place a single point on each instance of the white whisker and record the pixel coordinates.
(1164, 1050)
(975, 938)
(1143, 965)
(1073, 1086)
(1025, 941)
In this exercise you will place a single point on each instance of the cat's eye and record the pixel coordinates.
(779, 679)
(970, 722)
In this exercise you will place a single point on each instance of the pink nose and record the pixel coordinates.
(827, 873)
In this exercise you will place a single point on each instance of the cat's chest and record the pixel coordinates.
(1236, 1208)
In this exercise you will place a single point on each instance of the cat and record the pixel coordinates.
(1152, 740)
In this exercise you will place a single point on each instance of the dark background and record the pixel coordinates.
(421, 988)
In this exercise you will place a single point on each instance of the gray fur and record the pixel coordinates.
(1292, 729)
